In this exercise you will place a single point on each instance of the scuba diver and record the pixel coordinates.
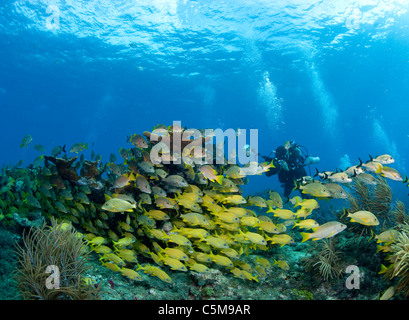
(289, 163)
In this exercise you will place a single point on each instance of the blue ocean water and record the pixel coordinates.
(331, 75)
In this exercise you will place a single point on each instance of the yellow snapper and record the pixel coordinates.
(261, 272)
(189, 204)
(174, 264)
(78, 147)
(281, 264)
(146, 166)
(201, 257)
(102, 249)
(26, 140)
(231, 253)
(165, 203)
(123, 180)
(367, 178)
(263, 262)
(194, 232)
(235, 199)
(82, 197)
(249, 221)
(192, 196)
(239, 212)
(336, 191)
(391, 173)
(155, 271)
(221, 260)
(306, 224)
(234, 172)
(216, 242)
(126, 241)
(144, 198)
(281, 239)
(327, 230)
(113, 258)
(146, 221)
(268, 226)
(142, 184)
(253, 237)
(387, 236)
(158, 191)
(340, 177)
(179, 239)
(227, 216)
(175, 254)
(195, 189)
(210, 173)
(364, 217)
(383, 159)
(310, 204)
(194, 218)
(257, 201)
(97, 241)
(126, 197)
(282, 213)
(316, 189)
(118, 205)
(157, 215)
(226, 186)
(372, 166)
(175, 181)
(354, 170)
(249, 276)
(276, 198)
(138, 141)
(127, 255)
(388, 293)
(198, 267)
(238, 273)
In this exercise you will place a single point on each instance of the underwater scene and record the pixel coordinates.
(204, 150)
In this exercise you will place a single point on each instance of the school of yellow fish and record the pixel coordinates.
(184, 216)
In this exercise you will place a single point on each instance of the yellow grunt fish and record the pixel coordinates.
(118, 205)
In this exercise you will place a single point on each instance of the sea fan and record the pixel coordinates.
(374, 198)
(399, 258)
(398, 214)
(327, 261)
(52, 246)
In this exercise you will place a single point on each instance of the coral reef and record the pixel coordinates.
(184, 230)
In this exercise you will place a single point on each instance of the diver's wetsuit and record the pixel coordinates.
(295, 162)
